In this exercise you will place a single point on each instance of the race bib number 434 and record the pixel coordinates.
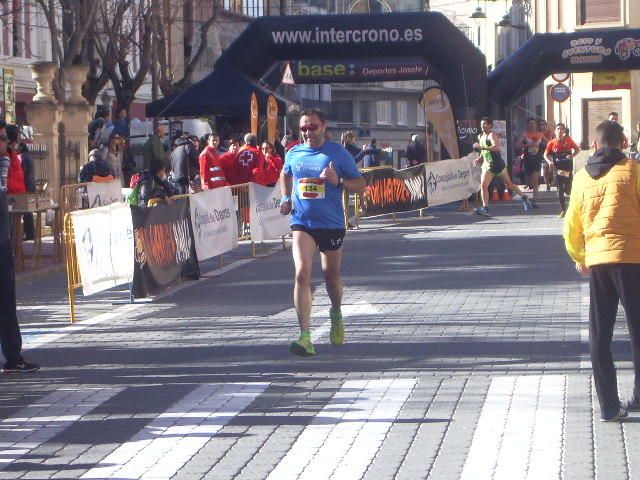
(311, 188)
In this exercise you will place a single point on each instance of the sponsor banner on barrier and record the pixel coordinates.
(266, 220)
(104, 193)
(389, 190)
(104, 246)
(452, 180)
(164, 247)
(500, 127)
(215, 226)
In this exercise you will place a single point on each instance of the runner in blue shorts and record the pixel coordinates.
(314, 176)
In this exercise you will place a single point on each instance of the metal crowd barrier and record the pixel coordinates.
(73, 197)
(73, 272)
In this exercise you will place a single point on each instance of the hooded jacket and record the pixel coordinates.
(153, 187)
(184, 160)
(602, 224)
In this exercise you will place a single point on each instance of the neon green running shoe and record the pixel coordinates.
(336, 336)
(303, 346)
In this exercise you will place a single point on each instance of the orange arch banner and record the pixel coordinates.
(254, 114)
(272, 118)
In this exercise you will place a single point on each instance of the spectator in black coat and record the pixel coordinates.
(184, 163)
(415, 151)
(154, 184)
(95, 167)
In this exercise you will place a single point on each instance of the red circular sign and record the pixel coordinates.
(560, 92)
(561, 77)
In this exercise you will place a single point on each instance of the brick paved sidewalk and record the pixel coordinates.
(465, 358)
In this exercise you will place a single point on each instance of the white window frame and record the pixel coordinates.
(383, 112)
(420, 118)
(402, 107)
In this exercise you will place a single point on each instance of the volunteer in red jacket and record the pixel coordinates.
(273, 165)
(250, 161)
(15, 178)
(211, 172)
(228, 161)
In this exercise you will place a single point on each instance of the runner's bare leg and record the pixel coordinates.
(485, 181)
(331, 269)
(304, 249)
(534, 181)
(504, 176)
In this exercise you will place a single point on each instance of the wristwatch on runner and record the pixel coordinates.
(285, 198)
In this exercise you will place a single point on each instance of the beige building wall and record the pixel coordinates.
(564, 16)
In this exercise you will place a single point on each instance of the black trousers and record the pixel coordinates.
(564, 187)
(10, 338)
(28, 225)
(609, 284)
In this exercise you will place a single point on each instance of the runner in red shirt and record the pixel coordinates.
(274, 164)
(250, 162)
(211, 172)
(547, 171)
(559, 155)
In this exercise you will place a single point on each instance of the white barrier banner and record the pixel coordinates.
(104, 193)
(104, 246)
(452, 180)
(266, 220)
(500, 127)
(215, 227)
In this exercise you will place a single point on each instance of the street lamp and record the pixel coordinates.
(478, 14)
(506, 21)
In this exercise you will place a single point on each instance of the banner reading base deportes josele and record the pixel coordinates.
(389, 190)
(452, 180)
(267, 223)
(164, 247)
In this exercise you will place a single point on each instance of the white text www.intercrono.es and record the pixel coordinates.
(347, 36)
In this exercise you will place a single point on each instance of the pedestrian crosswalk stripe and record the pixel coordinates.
(347, 433)
(161, 448)
(519, 433)
(39, 422)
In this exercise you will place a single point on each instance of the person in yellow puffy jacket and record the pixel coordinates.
(602, 236)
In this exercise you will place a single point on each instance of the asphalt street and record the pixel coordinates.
(466, 356)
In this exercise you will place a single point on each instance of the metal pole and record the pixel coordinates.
(154, 49)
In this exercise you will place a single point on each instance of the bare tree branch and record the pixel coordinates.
(167, 83)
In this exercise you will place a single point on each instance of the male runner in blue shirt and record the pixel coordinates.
(312, 181)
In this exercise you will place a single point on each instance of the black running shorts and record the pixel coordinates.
(327, 239)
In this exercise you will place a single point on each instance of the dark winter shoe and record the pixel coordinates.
(20, 367)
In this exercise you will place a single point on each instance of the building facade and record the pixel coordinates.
(587, 106)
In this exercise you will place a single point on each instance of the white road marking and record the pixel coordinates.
(353, 310)
(519, 433)
(161, 448)
(39, 422)
(347, 433)
(34, 338)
